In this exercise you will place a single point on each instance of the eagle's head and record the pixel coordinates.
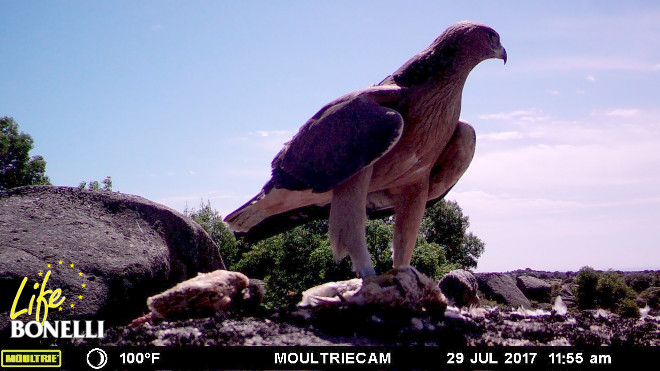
(454, 53)
(472, 41)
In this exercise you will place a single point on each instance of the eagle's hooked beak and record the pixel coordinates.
(501, 53)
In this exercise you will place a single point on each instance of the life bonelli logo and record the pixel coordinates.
(44, 299)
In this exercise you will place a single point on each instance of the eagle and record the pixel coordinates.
(392, 148)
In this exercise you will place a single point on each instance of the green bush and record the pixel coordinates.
(95, 185)
(613, 291)
(586, 280)
(641, 281)
(605, 290)
(328, 268)
(628, 308)
(290, 263)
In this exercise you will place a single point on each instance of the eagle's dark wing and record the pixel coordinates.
(345, 136)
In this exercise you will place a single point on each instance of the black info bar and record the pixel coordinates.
(210, 358)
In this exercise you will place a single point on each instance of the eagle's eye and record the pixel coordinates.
(494, 38)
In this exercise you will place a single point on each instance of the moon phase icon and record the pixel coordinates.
(97, 358)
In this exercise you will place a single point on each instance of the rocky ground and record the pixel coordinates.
(491, 325)
(495, 327)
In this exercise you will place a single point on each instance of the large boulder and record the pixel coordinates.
(534, 288)
(122, 248)
(460, 288)
(567, 295)
(502, 288)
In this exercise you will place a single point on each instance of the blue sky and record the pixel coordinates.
(183, 101)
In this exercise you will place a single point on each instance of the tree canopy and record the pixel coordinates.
(445, 225)
(17, 168)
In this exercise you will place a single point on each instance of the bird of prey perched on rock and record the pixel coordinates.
(389, 148)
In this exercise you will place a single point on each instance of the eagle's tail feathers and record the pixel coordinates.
(247, 216)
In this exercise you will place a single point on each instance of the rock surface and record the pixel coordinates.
(223, 329)
(460, 287)
(567, 295)
(534, 288)
(359, 327)
(123, 248)
(502, 288)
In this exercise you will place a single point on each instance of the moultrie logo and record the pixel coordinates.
(44, 299)
(31, 358)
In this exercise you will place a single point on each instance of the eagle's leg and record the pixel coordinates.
(409, 205)
(348, 221)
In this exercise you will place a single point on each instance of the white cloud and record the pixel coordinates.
(580, 91)
(504, 135)
(622, 112)
(529, 115)
(268, 133)
(590, 78)
(553, 92)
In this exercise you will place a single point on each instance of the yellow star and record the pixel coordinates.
(48, 265)
(79, 297)
(41, 274)
(72, 305)
(59, 308)
(83, 285)
(71, 265)
(80, 274)
(59, 262)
